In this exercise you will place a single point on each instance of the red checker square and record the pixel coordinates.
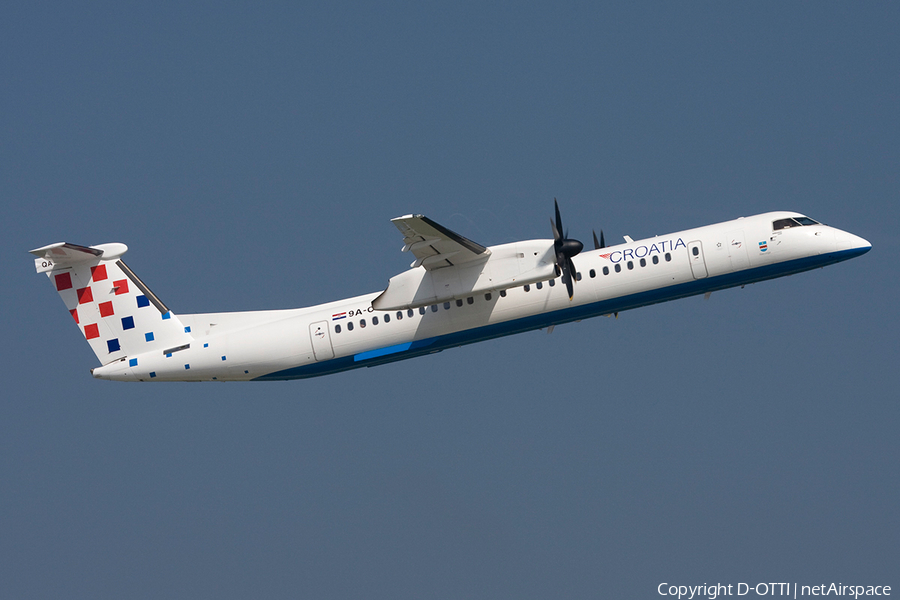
(63, 281)
(121, 286)
(74, 313)
(106, 309)
(85, 295)
(98, 273)
(91, 331)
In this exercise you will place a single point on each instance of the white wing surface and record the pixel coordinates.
(435, 246)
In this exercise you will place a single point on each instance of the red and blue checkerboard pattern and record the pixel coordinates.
(114, 316)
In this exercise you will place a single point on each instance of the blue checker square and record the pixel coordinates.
(127, 322)
(142, 301)
(113, 345)
(132, 362)
(223, 358)
(167, 315)
(187, 329)
(152, 374)
(206, 345)
(148, 336)
(169, 355)
(186, 367)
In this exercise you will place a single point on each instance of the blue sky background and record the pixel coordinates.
(251, 156)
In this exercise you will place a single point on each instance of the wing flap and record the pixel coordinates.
(435, 246)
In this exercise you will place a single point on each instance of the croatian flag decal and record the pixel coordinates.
(339, 316)
(763, 246)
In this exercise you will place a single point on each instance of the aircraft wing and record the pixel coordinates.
(435, 246)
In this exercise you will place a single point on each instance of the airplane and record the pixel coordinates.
(456, 292)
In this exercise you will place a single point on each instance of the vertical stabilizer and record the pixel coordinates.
(116, 313)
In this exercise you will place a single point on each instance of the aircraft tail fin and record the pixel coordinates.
(115, 311)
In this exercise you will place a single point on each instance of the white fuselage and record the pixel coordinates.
(351, 333)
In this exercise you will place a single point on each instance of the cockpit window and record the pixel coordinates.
(795, 222)
(784, 224)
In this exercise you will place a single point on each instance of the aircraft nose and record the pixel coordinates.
(847, 241)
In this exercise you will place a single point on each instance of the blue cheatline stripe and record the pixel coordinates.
(382, 352)
(405, 347)
(566, 315)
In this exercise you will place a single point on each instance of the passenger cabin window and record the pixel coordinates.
(630, 265)
(606, 270)
(695, 251)
(459, 302)
(434, 308)
(387, 318)
(577, 276)
(503, 293)
(421, 310)
(446, 306)
(668, 257)
(362, 323)
(539, 285)
(487, 296)
(470, 300)
(399, 315)
(643, 262)
(655, 259)
(349, 325)
(618, 268)
(592, 273)
(552, 282)
(337, 328)
(527, 288)
(410, 313)
(374, 320)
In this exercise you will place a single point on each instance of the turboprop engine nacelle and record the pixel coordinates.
(507, 266)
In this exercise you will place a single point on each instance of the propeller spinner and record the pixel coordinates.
(565, 249)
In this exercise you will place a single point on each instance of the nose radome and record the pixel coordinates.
(848, 241)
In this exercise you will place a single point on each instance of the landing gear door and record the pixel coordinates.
(321, 340)
(698, 265)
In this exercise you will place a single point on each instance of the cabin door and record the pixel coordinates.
(321, 340)
(698, 265)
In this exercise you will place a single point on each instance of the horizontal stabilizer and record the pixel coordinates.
(61, 255)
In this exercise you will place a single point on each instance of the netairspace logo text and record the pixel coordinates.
(713, 591)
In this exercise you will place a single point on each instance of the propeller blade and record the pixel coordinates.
(570, 267)
(564, 249)
(569, 287)
(559, 226)
(602, 241)
(597, 245)
(561, 263)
